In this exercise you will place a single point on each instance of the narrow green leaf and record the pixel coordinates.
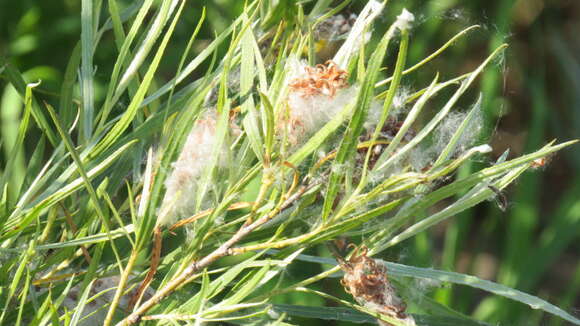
(363, 101)
(17, 80)
(475, 282)
(81, 168)
(122, 58)
(131, 111)
(450, 147)
(15, 166)
(326, 313)
(65, 106)
(268, 124)
(247, 72)
(431, 56)
(82, 301)
(385, 161)
(86, 74)
(197, 304)
(411, 117)
(18, 221)
(248, 286)
(153, 33)
(397, 74)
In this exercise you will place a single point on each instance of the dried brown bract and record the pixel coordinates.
(540, 162)
(366, 280)
(323, 79)
(316, 95)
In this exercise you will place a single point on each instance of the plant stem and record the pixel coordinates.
(121, 287)
(221, 251)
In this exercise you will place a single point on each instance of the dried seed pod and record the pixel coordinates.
(366, 280)
(323, 79)
(316, 95)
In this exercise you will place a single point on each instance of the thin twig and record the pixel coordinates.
(121, 287)
(207, 212)
(155, 258)
(295, 179)
(275, 245)
(156, 252)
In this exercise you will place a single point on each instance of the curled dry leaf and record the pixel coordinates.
(323, 79)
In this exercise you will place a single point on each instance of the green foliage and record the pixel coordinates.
(85, 167)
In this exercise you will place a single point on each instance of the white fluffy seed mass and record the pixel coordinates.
(181, 185)
(423, 155)
(397, 108)
(405, 20)
(449, 126)
(317, 94)
(314, 111)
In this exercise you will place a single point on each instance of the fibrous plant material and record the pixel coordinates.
(324, 79)
(405, 20)
(316, 95)
(181, 185)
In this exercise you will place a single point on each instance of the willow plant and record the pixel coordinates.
(273, 152)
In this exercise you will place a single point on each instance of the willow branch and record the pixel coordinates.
(221, 251)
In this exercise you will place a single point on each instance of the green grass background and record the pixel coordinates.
(533, 96)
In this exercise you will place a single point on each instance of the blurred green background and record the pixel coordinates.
(530, 97)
